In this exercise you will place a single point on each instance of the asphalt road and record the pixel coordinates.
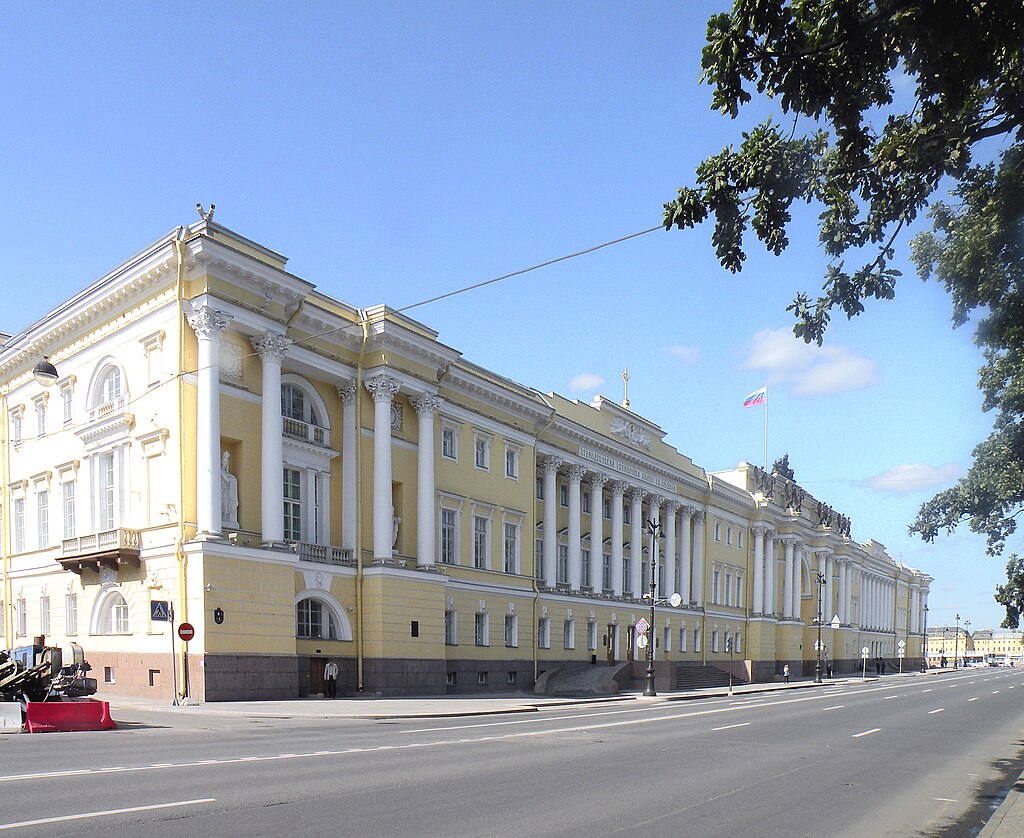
(902, 757)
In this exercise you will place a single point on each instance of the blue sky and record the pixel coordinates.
(397, 151)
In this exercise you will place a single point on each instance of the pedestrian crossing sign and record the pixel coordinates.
(160, 611)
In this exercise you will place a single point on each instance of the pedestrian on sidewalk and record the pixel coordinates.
(785, 673)
(331, 679)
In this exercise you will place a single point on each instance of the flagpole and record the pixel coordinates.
(766, 427)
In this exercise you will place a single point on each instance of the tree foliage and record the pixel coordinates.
(889, 110)
(1011, 595)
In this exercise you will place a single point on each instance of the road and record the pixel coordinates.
(901, 756)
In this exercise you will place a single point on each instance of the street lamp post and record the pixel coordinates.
(967, 635)
(655, 530)
(730, 643)
(820, 579)
(956, 643)
(924, 642)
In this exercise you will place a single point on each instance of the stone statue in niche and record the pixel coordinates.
(228, 493)
(396, 522)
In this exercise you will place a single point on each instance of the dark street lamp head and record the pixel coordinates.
(45, 373)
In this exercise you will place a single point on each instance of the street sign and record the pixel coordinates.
(641, 641)
(642, 625)
(901, 653)
(818, 645)
(864, 652)
(675, 600)
(186, 631)
(159, 611)
(902, 644)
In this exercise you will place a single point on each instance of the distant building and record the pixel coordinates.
(949, 643)
(303, 481)
(1003, 646)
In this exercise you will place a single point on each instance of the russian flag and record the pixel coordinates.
(756, 398)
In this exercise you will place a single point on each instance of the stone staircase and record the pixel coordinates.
(695, 676)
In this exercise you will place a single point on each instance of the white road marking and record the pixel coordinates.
(866, 733)
(931, 712)
(889, 697)
(944, 799)
(837, 707)
(995, 692)
(106, 813)
(730, 727)
(927, 690)
(973, 699)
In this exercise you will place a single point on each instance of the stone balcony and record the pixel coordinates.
(109, 548)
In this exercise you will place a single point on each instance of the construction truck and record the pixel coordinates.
(44, 673)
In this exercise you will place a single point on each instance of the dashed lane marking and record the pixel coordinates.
(106, 813)
(866, 733)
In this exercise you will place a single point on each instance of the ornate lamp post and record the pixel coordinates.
(956, 643)
(655, 529)
(924, 641)
(819, 578)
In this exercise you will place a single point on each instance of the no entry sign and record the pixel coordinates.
(186, 631)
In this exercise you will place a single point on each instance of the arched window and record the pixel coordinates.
(110, 386)
(314, 620)
(295, 405)
(112, 615)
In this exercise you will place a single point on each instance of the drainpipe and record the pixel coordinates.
(179, 553)
(365, 326)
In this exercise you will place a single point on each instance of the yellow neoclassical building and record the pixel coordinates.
(301, 480)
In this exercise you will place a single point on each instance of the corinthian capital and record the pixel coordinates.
(383, 388)
(207, 322)
(575, 473)
(271, 346)
(549, 465)
(426, 405)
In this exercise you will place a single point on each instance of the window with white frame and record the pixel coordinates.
(68, 503)
(511, 547)
(714, 639)
(727, 641)
(606, 572)
(682, 638)
(585, 501)
(696, 639)
(480, 629)
(512, 461)
(481, 542)
(716, 579)
(449, 441)
(728, 589)
(728, 535)
(110, 386)
(584, 566)
(313, 620)
(539, 488)
(625, 572)
(106, 488)
(482, 452)
(44, 615)
(40, 403)
(736, 645)
(538, 559)
(71, 614)
(448, 545)
(718, 531)
(606, 505)
(113, 614)
(21, 617)
(18, 516)
(563, 563)
(667, 639)
(738, 601)
(569, 634)
(511, 631)
(627, 514)
(591, 634)
(563, 495)
(450, 634)
(67, 402)
(292, 493)
(544, 633)
(43, 519)
(739, 538)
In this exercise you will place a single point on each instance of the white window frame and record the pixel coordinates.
(451, 627)
(591, 634)
(481, 451)
(17, 424)
(71, 614)
(511, 631)
(291, 483)
(568, 633)
(481, 628)
(448, 534)
(40, 404)
(44, 615)
(481, 541)
(562, 569)
(585, 501)
(67, 401)
(544, 633)
(449, 433)
(563, 495)
(682, 638)
(696, 639)
(20, 617)
(43, 520)
(68, 491)
(718, 531)
(106, 490)
(512, 456)
(18, 524)
(510, 546)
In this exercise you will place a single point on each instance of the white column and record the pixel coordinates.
(549, 559)
(841, 600)
(698, 559)
(821, 590)
(271, 347)
(787, 581)
(797, 578)
(829, 610)
(758, 592)
(425, 406)
(383, 388)
(770, 572)
(349, 440)
(208, 324)
(636, 540)
(653, 549)
(618, 489)
(685, 555)
(670, 585)
(575, 475)
(597, 482)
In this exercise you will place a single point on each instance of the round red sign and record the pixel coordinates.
(186, 631)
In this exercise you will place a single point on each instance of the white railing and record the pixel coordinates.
(313, 434)
(119, 539)
(322, 553)
(107, 408)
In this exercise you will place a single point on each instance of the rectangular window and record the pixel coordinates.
(728, 535)
(450, 637)
(563, 495)
(481, 542)
(718, 531)
(739, 539)
(544, 633)
(682, 639)
(714, 640)
(512, 676)
(16, 426)
(511, 550)
(696, 639)
(481, 679)
(105, 484)
(480, 629)
(625, 574)
(512, 463)
(607, 505)
(450, 679)
(67, 403)
(606, 572)
(728, 589)
(715, 585)
(449, 444)
(482, 453)
(20, 617)
(44, 615)
(68, 491)
(563, 563)
(667, 641)
(511, 631)
(591, 635)
(538, 559)
(739, 592)
(627, 514)
(568, 634)
(40, 419)
(71, 614)
(585, 501)
(19, 525)
(540, 488)
(584, 567)
(292, 504)
(43, 520)
(449, 537)
(414, 628)
(736, 645)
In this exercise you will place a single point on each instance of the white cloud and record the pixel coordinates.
(914, 477)
(585, 382)
(810, 370)
(687, 355)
